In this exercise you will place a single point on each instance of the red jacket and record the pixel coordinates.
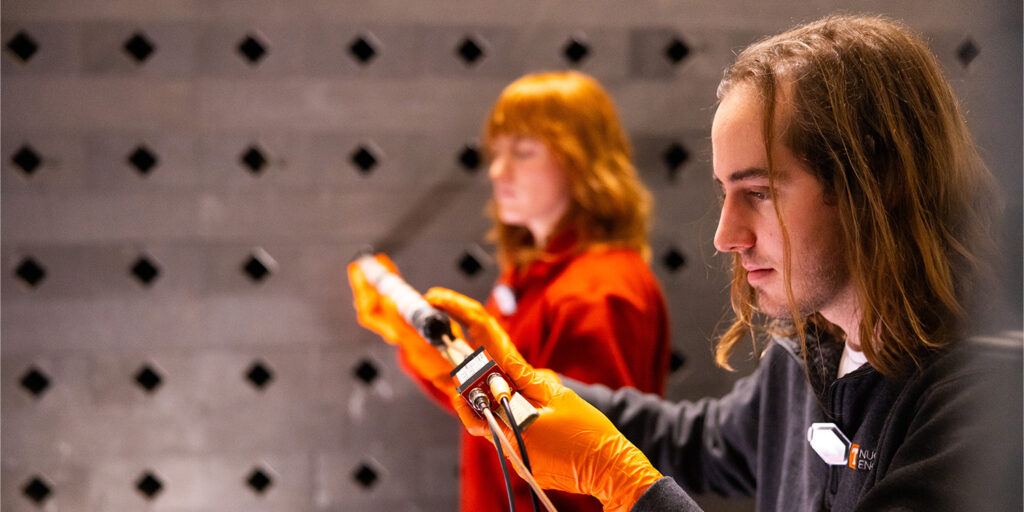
(597, 317)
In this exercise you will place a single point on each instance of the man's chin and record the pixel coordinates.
(773, 308)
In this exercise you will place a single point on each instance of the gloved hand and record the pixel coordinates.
(572, 446)
(380, 315)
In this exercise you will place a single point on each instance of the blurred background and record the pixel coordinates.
(183, 183)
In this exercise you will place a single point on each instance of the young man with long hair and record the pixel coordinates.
(855, 207)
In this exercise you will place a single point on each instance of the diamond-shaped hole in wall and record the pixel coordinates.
(35, 381)
(37, 490)
(362, 50)
(26, 159)
(470, 50)
(143, 159)
(259, 265)
(469, 265)
(365, 475)
(22, 45)
(469, 158)
(145, 270)
(676, 360)
(259, 375)
(967, 52)
(148, 379)
(252, 49)
(364, 160)
(677, 50)
(366, 371)
(673, 259)
(253, 159)
(675, 156)
(259, 481)
(31, 272)
(575, 50)
(139, 47)
(149, 485)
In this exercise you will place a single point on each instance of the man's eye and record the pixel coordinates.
(760, 195)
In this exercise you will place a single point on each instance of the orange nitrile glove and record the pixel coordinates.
(380, 315)
(572, 446)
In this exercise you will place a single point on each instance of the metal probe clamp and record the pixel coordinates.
(477, 375)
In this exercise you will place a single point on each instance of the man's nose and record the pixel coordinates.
(734, 232)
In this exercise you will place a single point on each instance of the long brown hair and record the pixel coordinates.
(575, 117)
(874, 119)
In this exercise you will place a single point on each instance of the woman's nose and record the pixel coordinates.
(498, 168)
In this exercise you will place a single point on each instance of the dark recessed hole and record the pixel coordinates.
(676, 361)
(575, 50)
(253, 159)
(149, 485)
(35, 381)
(37, 490)
(252, 49)
(675, 157)
(259, 265)
(30, 271)
(469, 158)
(139, 47)
(27, 159)
(366, 371)
(469, 51)
(259, 375)
(365, 476)
(148, 379)
(143, 160)
(145, 270)
(676, 51)
(673, 260)
(23, 46)
(469, 265)
(967, 52)
(259, 481)
(364, 160)
(362, 51)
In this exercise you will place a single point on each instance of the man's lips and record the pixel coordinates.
(757, 273)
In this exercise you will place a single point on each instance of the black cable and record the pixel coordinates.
(504, 469)
(522, 446)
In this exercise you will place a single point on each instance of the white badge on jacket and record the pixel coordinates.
(505, 298)
(831, 444)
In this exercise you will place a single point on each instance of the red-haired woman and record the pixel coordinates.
(575, 291)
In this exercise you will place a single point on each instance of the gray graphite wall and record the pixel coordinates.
(177, 330)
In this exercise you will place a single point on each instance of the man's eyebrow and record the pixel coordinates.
(746, 174)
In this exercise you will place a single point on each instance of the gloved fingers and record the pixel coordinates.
(376, 312)
(575, 448)
(474, 319)
(425, 361)
(383, 259)
(473, 423)
(460, 334)
(485, 330)
(478, 427)
(464, 310)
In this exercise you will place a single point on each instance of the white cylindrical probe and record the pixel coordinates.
(430, 322)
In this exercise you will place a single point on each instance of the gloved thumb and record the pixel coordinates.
(484, 330)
